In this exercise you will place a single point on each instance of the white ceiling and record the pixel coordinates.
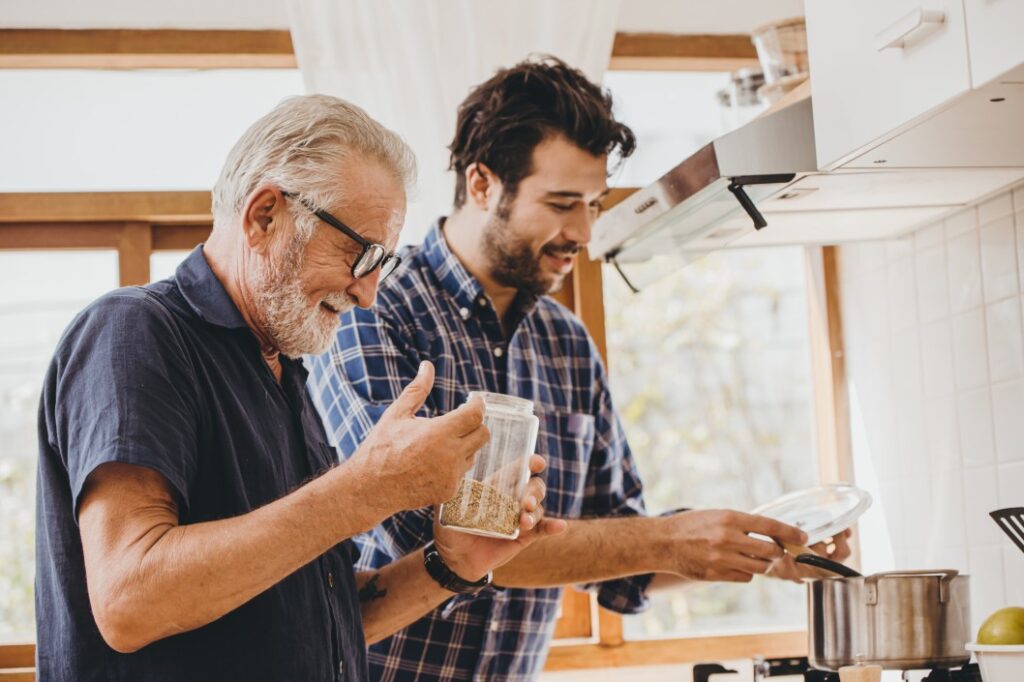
(662, 16)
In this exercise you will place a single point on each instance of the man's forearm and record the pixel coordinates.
(590, 550)
(173, 578)
(397, 595)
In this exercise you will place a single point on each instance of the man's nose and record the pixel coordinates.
(364, 289)
(580, 228)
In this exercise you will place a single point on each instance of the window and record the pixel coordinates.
(129, 130)
(710, 369)
(162, 264)
(672, 113)
(40, 292)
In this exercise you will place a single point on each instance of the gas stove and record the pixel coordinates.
(799, 670)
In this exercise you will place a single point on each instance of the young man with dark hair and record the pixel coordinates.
(530, 154)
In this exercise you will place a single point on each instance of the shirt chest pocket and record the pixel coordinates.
(566, 439)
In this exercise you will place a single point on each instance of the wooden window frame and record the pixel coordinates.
(137, 224)
(272, 49)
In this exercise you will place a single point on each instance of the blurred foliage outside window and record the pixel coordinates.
(710, 371)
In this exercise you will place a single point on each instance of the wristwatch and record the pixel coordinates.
(446, 577)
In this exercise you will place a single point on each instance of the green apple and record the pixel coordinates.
(1005, 626)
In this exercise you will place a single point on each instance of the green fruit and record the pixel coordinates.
(1005, 626)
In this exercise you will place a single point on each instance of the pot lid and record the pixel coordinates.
(821, 512)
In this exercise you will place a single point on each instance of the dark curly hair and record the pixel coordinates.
(504, 118)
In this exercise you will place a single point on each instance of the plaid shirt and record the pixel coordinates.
(433, 309)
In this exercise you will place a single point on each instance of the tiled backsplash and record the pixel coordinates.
(935, 363)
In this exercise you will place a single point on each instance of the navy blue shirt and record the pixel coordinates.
(169, 377)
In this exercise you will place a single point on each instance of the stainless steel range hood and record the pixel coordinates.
(722, 179)
(765, 175)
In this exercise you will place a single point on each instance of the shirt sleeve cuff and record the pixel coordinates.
(626, 595)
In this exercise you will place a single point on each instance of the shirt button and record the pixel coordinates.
(330, 579)
(482, 301)
(341, 669)
(498, 352)
(495, 625)
(464, 313)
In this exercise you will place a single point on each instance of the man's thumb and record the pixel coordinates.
(415, 393)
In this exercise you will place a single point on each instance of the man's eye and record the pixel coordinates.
(561, 208)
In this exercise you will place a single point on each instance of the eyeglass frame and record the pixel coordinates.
(326, 217)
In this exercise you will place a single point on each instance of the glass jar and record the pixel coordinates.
(781, 48)
(487, 502)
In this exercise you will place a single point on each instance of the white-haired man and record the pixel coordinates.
(192, 521)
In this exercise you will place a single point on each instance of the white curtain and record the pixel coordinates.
(409, 63)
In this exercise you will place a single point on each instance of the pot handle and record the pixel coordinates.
(945, 576)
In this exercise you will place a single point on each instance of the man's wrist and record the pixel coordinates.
(363, 484)
(662, 543)
(447, 576)
(459, 567)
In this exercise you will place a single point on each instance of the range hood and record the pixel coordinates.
(760, 185)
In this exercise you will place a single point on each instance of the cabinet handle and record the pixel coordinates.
(896, 34)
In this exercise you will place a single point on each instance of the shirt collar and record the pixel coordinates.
(204, 292)
(463, 287)
(454, 278)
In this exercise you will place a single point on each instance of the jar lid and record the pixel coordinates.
(821, 512)
(502, 402)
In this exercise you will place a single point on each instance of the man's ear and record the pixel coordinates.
(483, 188)
(263, 216)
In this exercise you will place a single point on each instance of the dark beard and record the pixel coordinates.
(512, 262)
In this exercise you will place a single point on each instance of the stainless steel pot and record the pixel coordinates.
(899, 620)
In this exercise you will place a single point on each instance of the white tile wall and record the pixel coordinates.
(1005, 347)
(934, 325)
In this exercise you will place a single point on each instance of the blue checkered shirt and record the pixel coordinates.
(431, 308)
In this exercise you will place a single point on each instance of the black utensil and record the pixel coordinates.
(827, 564)
(1011, 520)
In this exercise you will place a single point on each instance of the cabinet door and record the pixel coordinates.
(995, 37)
(878, 65)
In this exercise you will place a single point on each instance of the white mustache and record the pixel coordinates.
(340, 302)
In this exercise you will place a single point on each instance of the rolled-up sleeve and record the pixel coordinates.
(126, 392)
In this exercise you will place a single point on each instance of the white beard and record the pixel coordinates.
(294, 326)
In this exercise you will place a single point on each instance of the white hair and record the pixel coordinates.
(300, 146)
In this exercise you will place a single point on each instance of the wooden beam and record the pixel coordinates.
(73, 207)
(828, 355)
(103, 235)
(17, 655)
(133, 251)
(145, 49)
(179, 237)
(828, 358)
(272, 49)
(575, 620)
(670, 651)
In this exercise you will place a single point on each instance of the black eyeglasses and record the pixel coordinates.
(372, 256)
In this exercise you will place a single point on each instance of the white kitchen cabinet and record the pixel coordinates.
(995, 37)
(880, 66)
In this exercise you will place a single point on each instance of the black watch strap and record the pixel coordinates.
(446, 577)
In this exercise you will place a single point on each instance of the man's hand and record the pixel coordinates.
(716, 545)
(836, 548)
(473, 556)
(417, 462)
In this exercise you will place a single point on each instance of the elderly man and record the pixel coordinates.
(192, 521)
(530, 154)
